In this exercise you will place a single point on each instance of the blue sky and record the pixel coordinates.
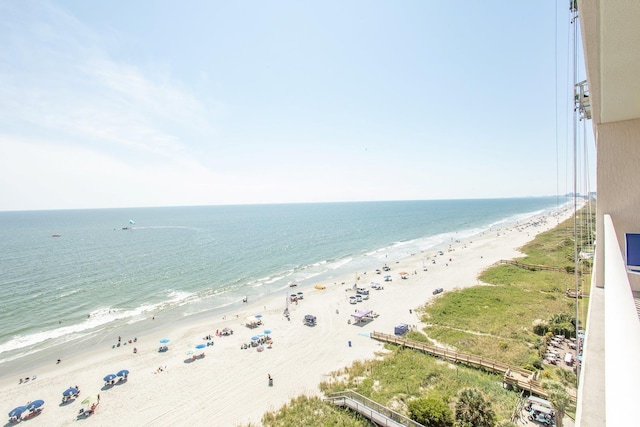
(116, 104)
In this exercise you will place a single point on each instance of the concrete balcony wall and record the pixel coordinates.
(591, 395)
(618, 177)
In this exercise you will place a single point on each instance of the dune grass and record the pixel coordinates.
(496, 321)
(312, 412)
(403, 374)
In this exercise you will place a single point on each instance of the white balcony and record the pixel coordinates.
(610, 368)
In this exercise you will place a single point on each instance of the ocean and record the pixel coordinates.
(70, 279)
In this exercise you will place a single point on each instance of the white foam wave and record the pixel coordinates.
(339, 263)
(275, 279)
(96, 320)
(68, 294)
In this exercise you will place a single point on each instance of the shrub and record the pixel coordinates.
(474, 410)
(430, 412)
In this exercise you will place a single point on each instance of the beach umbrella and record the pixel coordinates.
(90, 400)
(255, 338)
(164, 340)
(70, 391)
(257, 316)
(123, 373)
(109, 377)
(267, 331)
(16, 412)
(189, 353)
(200, 346)
(35, 404)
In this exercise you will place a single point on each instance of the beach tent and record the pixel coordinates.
(401, 329)
(253, 321)
(309, 320)
(362, 315)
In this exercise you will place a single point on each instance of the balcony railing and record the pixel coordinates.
(622, 334)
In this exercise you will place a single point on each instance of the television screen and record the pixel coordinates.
(633, 252)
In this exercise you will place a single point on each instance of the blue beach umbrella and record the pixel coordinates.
(16, 412)
(255, 338)
(35, 404)
(257, 316)
(199, 346)
(123, 373)
(109, 377)
(267, 331)
(164, 340)
(70, 391)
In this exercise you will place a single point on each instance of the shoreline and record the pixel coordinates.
(230, 384)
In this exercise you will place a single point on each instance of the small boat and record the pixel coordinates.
(292, 284)
(55, 235)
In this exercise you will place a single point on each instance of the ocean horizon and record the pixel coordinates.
(74, 279)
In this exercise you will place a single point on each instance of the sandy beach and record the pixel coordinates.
(229, 385)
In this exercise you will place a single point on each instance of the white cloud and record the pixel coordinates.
(93, 123)
(61, 79)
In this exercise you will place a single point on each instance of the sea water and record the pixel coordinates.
(71, 276)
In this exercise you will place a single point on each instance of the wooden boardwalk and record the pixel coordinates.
(376, 413)
(514, 376)
(531, 267)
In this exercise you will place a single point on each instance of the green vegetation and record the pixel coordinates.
(505, 321)
(431, 412)
(474, 410)
(312, 412)
(509, 320)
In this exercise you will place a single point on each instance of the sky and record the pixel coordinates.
(162, 103)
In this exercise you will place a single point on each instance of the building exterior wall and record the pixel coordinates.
(618, 183)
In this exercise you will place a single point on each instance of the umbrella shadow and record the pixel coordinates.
(32, 415)
(83, 416)
(189, 360)
(122, 381)
(67, 402)
(106, 387)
